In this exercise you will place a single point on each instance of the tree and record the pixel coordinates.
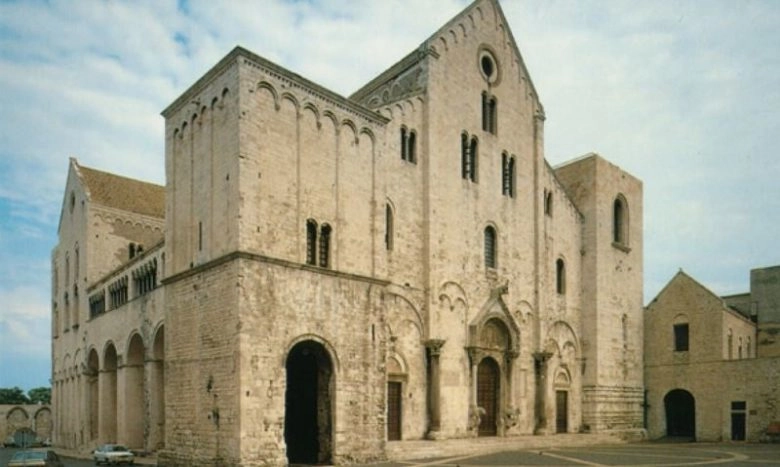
(40, 395)
(13, 396)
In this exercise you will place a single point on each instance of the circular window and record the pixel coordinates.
(488, 66)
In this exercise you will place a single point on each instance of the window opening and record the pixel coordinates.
(620, 222)
(681, 337)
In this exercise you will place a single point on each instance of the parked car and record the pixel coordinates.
(113, 454)
(36, 458)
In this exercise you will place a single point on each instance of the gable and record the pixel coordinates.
(409, 76)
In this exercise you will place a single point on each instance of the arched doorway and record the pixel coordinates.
(308, 416)
(680, 409)
(488, 391)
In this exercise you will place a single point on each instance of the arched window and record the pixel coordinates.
(489, 113)
(620, 221)
(389, 221)
(560, 276)
(748, 348)
(311, 242)
(490, 247)
(325, 246)
(739, 349)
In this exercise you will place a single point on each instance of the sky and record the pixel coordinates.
(683, 94)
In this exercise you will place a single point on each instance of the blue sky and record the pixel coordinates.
(684, 94)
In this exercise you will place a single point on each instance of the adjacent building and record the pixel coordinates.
(712, 364)
(321, 275)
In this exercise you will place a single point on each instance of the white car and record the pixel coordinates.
(113, 454)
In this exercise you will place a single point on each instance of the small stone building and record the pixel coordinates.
(322, 275)
(712, 366)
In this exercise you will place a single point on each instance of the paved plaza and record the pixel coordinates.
(640, 454)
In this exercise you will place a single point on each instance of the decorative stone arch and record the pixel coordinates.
(365, 131)
(347, 123)
(395, 294)
(493, 335)
(271, 90)
(312, 107)
(333, 119)
(287, 96)
(451, 293)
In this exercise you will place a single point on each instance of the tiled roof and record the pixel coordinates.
(124, 193)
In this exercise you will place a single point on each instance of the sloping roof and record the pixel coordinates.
(126, 194)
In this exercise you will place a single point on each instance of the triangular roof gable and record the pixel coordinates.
(682, 276)
(495, 308)
(428, 48)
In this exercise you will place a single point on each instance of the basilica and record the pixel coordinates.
(323, 275)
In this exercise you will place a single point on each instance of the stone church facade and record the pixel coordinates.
(322, 275)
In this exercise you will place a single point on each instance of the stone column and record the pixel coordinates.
(540, 406)
(433, 346)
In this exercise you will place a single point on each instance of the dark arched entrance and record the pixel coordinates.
(680, 414)
(488, 390)
(307, 418)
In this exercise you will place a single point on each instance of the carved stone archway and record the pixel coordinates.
(494, 335)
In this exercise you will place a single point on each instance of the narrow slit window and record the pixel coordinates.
(389, 227)
(560, 276)
(490, 247)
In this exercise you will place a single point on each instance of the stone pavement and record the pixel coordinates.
(425, 449)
